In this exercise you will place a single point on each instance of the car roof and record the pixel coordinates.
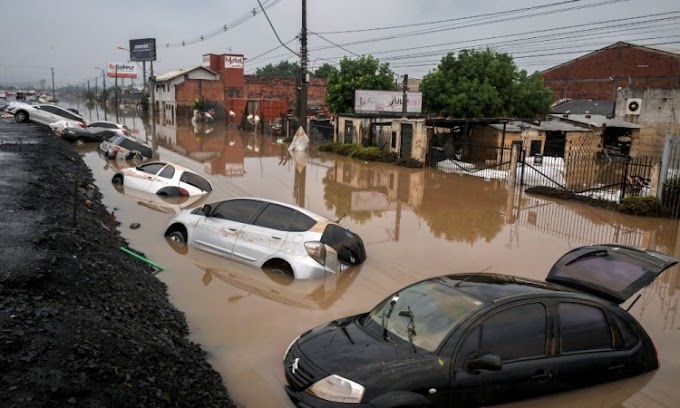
(176, 166)
(305, 211)
(490, 287)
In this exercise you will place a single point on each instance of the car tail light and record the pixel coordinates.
(115, 150)
(317, 250)
(126, 132)
(82, 125)
(183, 192)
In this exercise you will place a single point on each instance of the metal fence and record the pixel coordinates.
(466, 158)
(669, 179)
(599, 175)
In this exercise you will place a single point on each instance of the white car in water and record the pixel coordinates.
(44, 114)
(269, 234)
(166, 179)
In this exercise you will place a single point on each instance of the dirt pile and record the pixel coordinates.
(81, 323)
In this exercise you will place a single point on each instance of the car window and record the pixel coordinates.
(583, 328)
(196, 181)
(66, 114)
(275, 217)
(103, 125)
(517, 332)
(237, 210)
(468, 348)
(167, 172)
(300, 222)
(151, 168)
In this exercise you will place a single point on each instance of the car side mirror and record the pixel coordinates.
(489, 361)
(207, 209)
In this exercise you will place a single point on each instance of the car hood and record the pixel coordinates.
(343, 347)
(612, 272)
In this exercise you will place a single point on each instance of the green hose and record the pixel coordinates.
(141, 258)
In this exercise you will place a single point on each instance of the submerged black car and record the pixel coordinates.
(480, 339)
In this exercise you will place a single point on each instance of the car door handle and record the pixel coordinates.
(541, 376)
(616, 369)
(276, 237)
(232, 229)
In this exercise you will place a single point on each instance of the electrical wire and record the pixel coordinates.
(274, 29)
(337, 45)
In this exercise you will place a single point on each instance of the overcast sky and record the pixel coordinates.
(74, 36)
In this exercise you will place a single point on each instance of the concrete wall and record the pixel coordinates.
(656, 116)
(588, 77)
(420, 142)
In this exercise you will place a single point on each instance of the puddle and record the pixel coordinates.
(415, 224)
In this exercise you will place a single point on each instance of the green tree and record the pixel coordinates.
(362, 73)
(282, 69)
(324, 71)
(483, 83)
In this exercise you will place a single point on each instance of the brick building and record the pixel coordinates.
(599, 74)
(176, 91)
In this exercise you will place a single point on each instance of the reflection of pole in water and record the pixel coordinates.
(299, 186)
(397, 221)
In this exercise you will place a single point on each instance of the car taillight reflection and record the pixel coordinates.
(183, 192)
(115, 150)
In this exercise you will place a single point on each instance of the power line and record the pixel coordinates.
(274, 30)
(231, 25)
(457, 27)
(337, 45)
(485, 15)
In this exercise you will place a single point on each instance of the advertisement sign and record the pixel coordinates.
(120, 70)
(387, 101)
(206, 61)
(233, 61)
(143, 49)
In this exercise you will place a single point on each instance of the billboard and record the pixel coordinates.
(143, 49)
(233, 61)
(120, 70)
(387, 101)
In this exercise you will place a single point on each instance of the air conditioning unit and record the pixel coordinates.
(633, 106)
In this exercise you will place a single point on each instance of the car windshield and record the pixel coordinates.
(424, 313)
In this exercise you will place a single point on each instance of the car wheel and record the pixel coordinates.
(178, 237)
(279, 271)
(21, 116)
(117, 179)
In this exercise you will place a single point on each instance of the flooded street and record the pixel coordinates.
(415, 224)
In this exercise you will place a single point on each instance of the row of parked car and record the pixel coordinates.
(455, 340)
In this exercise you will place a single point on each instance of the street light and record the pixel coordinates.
(104, 88)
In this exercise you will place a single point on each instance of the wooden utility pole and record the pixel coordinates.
(303, 68)
(54, 94)
(404, 101)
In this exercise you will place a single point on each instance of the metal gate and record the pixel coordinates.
(406, 140)
(474, 159)
(669, 179)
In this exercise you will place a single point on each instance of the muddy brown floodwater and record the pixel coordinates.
(416, 223)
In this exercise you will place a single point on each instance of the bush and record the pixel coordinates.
(358, 152)
(648, 206)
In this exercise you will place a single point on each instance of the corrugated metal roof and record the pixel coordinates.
(549, 126)
(174, 74)
(585, 106)
(597, 121)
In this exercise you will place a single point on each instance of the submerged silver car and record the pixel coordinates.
(265, 233)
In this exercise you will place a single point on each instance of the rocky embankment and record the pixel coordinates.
(81, 323)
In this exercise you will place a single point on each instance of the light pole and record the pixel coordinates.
(115, 82)
(103, 89)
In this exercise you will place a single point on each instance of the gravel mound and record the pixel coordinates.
(81, 323)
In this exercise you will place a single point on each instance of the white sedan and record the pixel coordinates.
(166, 179)
(269, 234)
(45, 114)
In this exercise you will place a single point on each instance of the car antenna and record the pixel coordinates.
(340, 219)
(458, 284)
(634, 302)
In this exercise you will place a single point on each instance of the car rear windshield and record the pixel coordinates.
(349, 245)
(424, 313)
(196, 181)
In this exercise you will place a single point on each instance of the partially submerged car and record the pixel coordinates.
(87, 135)
(161, 203)
(124, 147)
(469, 340)
(165, 179)
(44, 114)
(262, 233)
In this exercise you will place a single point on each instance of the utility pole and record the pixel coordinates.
(144, 74)
(303, 68)
(404, 100)
(88, 87)
(54, 94)
(104, 92)
(115, 84)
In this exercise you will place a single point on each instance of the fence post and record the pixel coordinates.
(654, 180)
(514, 155)
(624, 181)
(665, 161)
